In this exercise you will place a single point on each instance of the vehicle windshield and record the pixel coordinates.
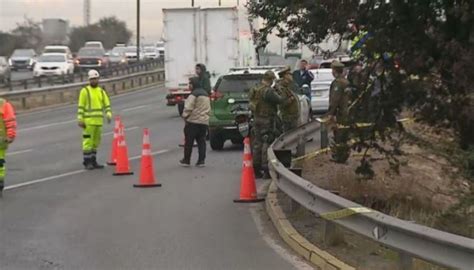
(24, 53)
(93, 45)
(238, 83)
(118, 50)
(91, 52)
(150, 50)
(52, 58)
(55, 50)
(131, 49)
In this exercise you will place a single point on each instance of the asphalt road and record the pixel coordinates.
(55, 215)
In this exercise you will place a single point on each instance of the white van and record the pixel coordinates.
(58, 49)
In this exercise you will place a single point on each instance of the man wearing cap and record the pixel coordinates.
(338, 112)
(93, 105)
(264, 102)
(290, 111)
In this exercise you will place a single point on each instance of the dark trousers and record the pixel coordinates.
(194, 132)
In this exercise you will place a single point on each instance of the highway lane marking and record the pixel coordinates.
(54, 177)
(19, 152)
(135, 108)
(126, 129)
(47, 125)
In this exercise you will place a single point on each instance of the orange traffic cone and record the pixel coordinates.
(113, 153)
(147, 176)
(248, 189)
(123, 166)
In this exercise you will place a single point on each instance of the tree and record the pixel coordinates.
(28, 34)
(432, 42)
(9, 43)
(109, 31)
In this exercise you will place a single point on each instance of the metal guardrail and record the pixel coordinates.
(117, 70)
(409, 239)
(24, 99)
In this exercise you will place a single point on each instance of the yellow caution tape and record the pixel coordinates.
(312, 154)
(345, 213)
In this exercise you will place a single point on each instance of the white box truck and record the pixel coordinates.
(210, 36)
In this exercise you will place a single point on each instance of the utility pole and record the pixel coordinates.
(138, 30)
(220, 2)
(192, 3)
(87, 12)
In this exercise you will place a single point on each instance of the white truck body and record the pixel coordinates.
(201, 35)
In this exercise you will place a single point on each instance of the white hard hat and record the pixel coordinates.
(93, 74)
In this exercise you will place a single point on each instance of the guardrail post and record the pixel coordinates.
(301, 147)
(124, 85)
(132, 83)
(114, 89)
(39, 81)
(25, 84)
(331, 235)
(147, 79)
(405, 261)
(324, 136)
(61, 97)
(10, 85)
(23, 102)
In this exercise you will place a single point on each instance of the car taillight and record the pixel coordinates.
(77, 62)
(100, 62)
(215, 95)
(179, 98)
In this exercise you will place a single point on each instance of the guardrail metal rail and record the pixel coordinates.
(408, 239)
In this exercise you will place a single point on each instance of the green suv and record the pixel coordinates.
(230, 93)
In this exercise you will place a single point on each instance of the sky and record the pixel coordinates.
(14, 11)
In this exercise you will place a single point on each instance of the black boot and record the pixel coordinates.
(88, 163)
(95, 164)
(1, 189)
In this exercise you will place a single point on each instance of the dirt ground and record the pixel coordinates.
(430, 189)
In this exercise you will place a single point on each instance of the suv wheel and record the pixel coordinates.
(237, 141)
(216, 141)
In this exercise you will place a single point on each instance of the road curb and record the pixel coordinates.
(296, 241)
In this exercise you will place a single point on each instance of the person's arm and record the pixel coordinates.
(107, 107)
(81, 106)
(310, 76)
(273, 97)
(10, 121)
(188, 106)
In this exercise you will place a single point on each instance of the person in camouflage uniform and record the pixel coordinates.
(290, 111)
(264, 102)
(338, 113)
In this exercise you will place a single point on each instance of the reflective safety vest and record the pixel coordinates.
(7, 122)
(93, 103)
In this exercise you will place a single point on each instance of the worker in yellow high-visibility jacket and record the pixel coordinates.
(93, 106)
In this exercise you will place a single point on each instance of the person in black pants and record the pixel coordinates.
(196, 115)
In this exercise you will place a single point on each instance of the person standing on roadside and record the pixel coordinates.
(290, 111)
(303, 76)
(204, 77)
(196, 112)
(7, 136)
(93, 106)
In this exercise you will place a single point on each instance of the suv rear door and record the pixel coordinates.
(234, 87)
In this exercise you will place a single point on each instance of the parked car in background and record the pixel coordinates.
(94, 44)
(320, 89)
(5, 72)
(117, 56)
(151, 53)
(22, 59)
(230, 94)
(131, 54)
(53, 64)
(91, 58)
(58, 49)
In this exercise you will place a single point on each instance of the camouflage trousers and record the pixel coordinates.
(262, 136)
(340, 147)
(289, 124)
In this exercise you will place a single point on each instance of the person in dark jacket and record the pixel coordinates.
(303, 76)
(204, 77)
(196, 112)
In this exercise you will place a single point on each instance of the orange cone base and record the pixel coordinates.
(111, 163)
(146, 185)
(249, 200)
(124, 173)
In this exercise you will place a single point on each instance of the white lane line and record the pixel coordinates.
(47, 125)
(20, 152)
(134, 108)
(54, 177)
(44, 179)
(127, 129)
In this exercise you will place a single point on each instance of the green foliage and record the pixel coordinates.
(109, 30)
(432, 42)
(26, 35)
